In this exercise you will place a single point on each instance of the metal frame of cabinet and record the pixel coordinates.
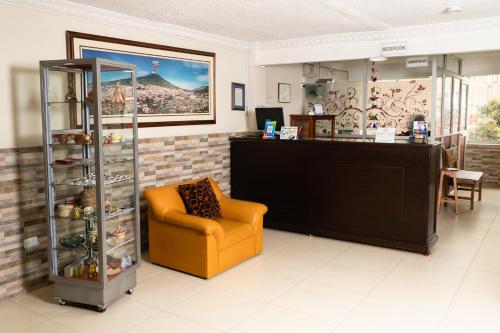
(101, 291)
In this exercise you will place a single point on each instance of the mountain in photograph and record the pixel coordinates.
(200, 90)
(156, 95)
(153, 79)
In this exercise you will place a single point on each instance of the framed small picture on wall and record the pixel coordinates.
(284, 92)
(237, 96)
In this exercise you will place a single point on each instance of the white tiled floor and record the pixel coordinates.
(308, 284)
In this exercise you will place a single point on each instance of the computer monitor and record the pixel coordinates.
(273, 114)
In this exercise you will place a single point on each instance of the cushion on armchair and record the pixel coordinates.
(199, 199)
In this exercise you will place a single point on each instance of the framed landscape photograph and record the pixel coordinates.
(284, 92)
(175, 86)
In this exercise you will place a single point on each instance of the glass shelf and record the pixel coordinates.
(107, 216)
(128, 142)
(91, 162)
(109, 110)
(71, 102)
(116, 115)
(114, 247)
(86, 181)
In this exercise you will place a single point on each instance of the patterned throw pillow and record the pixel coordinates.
(199, 199)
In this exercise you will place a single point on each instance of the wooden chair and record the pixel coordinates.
(465, 180)
(445, 197)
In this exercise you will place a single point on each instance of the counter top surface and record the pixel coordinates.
(336, 141)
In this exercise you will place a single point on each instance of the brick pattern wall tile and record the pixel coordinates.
(485, 158)
(22, 196)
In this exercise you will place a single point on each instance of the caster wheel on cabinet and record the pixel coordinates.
(130, 291)
(101, 308)
(61, 302)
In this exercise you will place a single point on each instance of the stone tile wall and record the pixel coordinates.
(485, 158)
(22, 196)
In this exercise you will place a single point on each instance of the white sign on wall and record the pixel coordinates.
(412, 62)
(394, 49)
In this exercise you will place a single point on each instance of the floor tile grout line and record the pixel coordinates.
(292, 286)
(160, 311)
(41, 315)
(205, 288)
(48, 319)
(302, 279)
(369, 292)
(459, 287)
(264, 304)
(142, 321)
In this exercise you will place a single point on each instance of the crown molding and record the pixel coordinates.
(68, 8)
(389, 34)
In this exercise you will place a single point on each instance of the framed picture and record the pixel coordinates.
(237, 96)
(284, 92)
(175, 86)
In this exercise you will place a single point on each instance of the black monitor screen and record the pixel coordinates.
(273, 114)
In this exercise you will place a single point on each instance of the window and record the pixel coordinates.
(483, 120)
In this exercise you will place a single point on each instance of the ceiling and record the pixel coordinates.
(268, 20)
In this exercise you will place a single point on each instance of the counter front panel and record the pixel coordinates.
(381, 194)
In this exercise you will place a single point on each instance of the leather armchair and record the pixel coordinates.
(197, 245)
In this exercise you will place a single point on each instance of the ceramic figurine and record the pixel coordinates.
(64, 210)
(76, 213)
(87, 138)
(90, 97)
(115, 137)
(118, 97)
(70, 95)
(63, 139)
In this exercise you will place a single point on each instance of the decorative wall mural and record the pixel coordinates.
(392, 104)
(345, 104)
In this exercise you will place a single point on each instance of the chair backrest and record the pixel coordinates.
(450, 157)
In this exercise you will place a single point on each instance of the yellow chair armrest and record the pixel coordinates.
(241, 211)
(203, 225)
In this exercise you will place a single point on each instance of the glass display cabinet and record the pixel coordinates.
(90, 150)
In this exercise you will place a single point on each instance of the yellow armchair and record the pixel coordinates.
(197, 245)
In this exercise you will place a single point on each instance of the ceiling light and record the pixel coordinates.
(453, 9)
(378, 58)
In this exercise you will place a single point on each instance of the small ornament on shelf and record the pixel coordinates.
(90, 97)
(118, 98)
(70, 95)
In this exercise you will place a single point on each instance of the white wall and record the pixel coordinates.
(454, 37)
(485, 63)
(29, 36)
(291, 74)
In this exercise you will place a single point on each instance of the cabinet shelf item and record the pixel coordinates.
(91, 182)
(125, 242)
(107, 216)
(88, 264)
(91, 162)
(57, 144)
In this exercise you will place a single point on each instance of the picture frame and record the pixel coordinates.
(284, 92)
(177, 85)
(237, 96)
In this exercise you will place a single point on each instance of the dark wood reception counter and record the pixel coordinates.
(375, 193)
